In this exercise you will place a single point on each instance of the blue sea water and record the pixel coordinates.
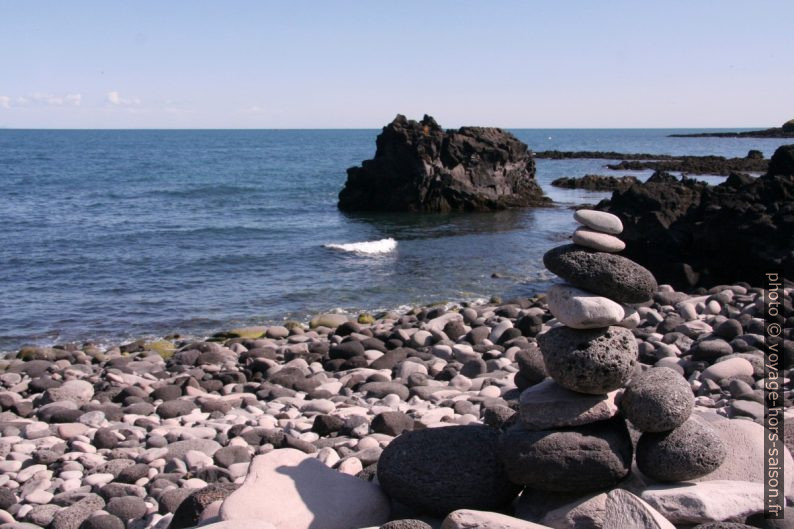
(112, 235)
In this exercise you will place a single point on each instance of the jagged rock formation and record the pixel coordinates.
(418, 166)
(691, 233)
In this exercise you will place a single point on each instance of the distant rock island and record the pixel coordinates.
(420, 167)
(594, 182)
(786, 131)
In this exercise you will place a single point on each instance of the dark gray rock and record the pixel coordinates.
(392, 423)
(381, 389)
(606, 274)
(420, 167)
(7, 498)
(710, 349)
(690, 451)
(406, 524)
(594, 361)
(787, 522)
(578, 459)
(327, 424)
(133, 473)
(439, 470)
(728, 330)
(188, 512)
(175, 408)
(105, 438)
(723, 525)
(531, 368)
(103, 521)
(229, 455)
(170, 499)
(126, 507)
(657, 400)
(42, 515)
(166, 393)
(74, 515)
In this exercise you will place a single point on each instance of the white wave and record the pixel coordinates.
(367, 247)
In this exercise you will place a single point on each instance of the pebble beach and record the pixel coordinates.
(291, 425)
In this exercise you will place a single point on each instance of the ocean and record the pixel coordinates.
(111, 235)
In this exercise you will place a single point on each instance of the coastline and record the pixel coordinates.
(154, 422)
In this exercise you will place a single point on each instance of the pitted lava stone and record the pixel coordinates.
(579, 459)
(606, 274)
(593, 361)
(690, 451)
(439, 470)
(657, 400)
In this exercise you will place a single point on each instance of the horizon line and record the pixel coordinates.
(730, 129)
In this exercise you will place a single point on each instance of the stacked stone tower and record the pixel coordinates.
(572, 436)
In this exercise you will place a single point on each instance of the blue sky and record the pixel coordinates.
(355, 64)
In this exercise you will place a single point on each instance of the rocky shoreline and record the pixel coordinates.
(786, 131)
(160, 433)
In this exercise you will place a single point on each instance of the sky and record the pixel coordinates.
(356, 64)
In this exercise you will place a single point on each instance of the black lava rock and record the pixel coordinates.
(439, 470)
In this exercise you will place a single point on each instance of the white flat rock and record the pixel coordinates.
(710, 501)
(624, 509)
(599, 221)
(596, 240)
(579, 309)
(292, 490)
(470, 519)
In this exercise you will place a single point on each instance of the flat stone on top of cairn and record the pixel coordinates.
(599, 221)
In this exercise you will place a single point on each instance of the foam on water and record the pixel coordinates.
(367, 247)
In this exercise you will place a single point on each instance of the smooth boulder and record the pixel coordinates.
(595, 240)
(579, 459)
(625, 510)
(439, 470)
(291, 489)
(599, 221)
(657, 400)
(593, 361)
(548, 405)
(579, 309)
(606, 274)
(690, 451)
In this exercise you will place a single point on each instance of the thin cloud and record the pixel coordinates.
(42, 99)
(114, 98)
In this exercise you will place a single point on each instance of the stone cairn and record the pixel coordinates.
(572, 435)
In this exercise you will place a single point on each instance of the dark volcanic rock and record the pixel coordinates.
(688, 232)
(188, 512)
(579, 459)
(657, 400)
(690, 451)
(439, 470)
(595, 182)
(605, 274)
(782, 162)
(420, 167)
(593, 361)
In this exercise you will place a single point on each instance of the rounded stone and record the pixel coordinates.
(392, 423)
(103, 521)
(189, 511)
(439, 470)
(690, 451)
(580, 459)
(580, 309)
(609, 275)
(407, 523)
(597, 240)
(175, 408)
(657, 400)
(126, 507)
(593, 361)
(599, 221)
(724, 525)
(547, 405)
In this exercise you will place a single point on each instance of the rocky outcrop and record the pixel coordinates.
(594, 182)
(420, 167)
(714, 165)
(690, 233)
(786, 131)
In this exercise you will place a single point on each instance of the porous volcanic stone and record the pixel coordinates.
(594, 361)
(657, 400)
(189, 511)
(690, 451)
(609, 275)
(579, 459)
(439, 470)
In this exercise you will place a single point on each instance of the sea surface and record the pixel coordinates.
(110, 235)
